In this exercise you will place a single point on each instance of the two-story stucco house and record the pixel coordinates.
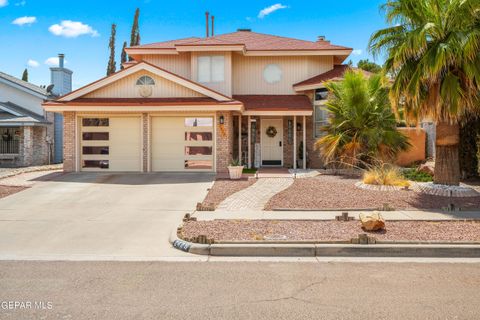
(194, 104)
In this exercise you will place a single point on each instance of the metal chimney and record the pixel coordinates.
(213, 26)
(61, 58)
(206, 18)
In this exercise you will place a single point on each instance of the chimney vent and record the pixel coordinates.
(206, 18)
(213, 26)
(61, 58)
(244, 29)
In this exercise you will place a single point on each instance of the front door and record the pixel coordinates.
(272, 142)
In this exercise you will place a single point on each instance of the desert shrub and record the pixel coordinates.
(385, 175)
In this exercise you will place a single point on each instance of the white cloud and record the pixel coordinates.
(72, 29)
(3, 3)
(53, 61)
(266, 11)
(24, 21)
(21, 3)
(32, 63)
(357, 52)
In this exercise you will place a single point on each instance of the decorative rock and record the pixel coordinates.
(373, 221)
(428, 168)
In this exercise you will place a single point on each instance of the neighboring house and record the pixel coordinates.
(194, 104)
(27, 132)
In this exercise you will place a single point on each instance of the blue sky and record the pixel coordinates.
(32, 31)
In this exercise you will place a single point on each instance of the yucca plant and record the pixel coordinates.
(433, 51)
(362, 126)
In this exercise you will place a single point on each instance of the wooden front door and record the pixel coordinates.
(272, 142)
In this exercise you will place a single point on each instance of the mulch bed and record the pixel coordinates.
(339, 192)
(8, 190)
(223, 188)
(328, 230)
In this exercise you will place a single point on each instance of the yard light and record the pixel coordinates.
(222, 119)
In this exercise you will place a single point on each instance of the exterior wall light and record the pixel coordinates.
(222, 119)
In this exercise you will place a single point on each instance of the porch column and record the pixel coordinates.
(249, 143)
(240, 138)
(304, 143)
(27, 146)
(294, 142)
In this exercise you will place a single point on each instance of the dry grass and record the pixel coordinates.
(385, 176)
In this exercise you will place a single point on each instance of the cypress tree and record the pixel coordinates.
(135, 34)
(25, 75)
(111, 68)
(123, 57)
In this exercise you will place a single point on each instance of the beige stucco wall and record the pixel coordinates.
(248, 72)
(417, 138)
(126, 88)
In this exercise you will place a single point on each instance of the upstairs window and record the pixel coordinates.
(145, 81)
(321, 94)
(211, 69)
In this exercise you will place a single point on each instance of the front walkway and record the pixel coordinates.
(256, 196)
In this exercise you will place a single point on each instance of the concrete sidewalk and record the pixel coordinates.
(329, 215)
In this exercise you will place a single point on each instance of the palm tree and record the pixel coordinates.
(362, 125)
(432, 49)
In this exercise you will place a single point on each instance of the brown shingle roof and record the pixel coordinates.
(335, 74)
(275, 102)
(253, 41)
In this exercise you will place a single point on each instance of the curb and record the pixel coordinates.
(328, 250)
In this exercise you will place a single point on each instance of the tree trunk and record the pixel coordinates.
(447, 167)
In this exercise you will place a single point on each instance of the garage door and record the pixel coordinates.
(111, 144)
(182, 144)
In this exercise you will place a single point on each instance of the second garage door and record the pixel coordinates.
(182, 144)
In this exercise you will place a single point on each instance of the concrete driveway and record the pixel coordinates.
(100, 216)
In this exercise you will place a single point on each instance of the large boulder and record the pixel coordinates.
(372, 221)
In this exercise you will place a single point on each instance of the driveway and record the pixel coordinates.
(91, 216)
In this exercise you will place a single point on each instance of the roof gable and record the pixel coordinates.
(23, 85)
(146, 67)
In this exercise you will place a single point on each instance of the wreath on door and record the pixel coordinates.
(271, 132)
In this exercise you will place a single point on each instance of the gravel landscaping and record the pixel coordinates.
(322, 230)
(339, 192)
(223, 188)
(8, 190)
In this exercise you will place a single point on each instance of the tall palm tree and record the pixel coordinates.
(432, 49)
(361, 125)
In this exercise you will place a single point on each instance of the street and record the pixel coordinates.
(240, 290)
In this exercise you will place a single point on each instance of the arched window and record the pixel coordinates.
(145, 81)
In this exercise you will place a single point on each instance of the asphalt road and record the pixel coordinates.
(240, 290)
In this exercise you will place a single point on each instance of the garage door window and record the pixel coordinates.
(95, 122)
(95, 150)
(102, 164)
(198, 151)
(198, 136)
(198, 122)
(95, 136)
(198, 164)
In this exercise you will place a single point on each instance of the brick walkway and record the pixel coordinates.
(256, 196)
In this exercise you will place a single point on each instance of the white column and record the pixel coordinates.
(304, 143)
(240, 138)
(294, 142)
(249, 143)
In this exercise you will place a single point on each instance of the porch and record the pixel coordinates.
(274, 131)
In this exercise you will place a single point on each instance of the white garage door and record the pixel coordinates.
(182, 144)
(111, 144)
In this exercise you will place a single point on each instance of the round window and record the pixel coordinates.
(272, 73)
